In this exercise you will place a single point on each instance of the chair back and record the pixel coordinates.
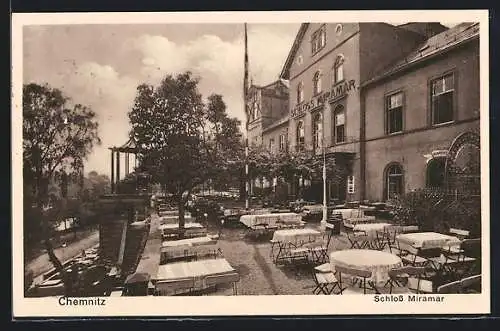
(167, 287)
(222, 279)
(459, 233)
(409, 228)
(411, 249)
(450, 288)
(430, 252)
(420, 285)
(473, 282)
(408, 270)
(471, 247)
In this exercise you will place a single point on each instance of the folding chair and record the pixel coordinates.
(471, 284)
(358, 239)
(319, 251)
(411, 256)
(456, 263)
(392, 243)
(410, 229)
(397, 278)
(325, 282)
(459, 233)
(409, 279)
(213, 281)
(449, 288)
(358, 275)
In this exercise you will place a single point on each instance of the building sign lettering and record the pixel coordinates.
(335, 93)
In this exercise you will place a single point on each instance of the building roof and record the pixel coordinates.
(276, 123)
(433, 46)
(285, 72)
(272, 85)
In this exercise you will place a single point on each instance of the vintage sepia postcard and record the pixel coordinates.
(250, 163)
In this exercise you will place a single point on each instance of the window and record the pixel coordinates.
(339, 121)
(394, 113)
(300, 92)
(338, 69)
(317, 83)
(300, 136)
(442, 90)
(435, 172)
(318, 131)
(282, 142)
(318, 40)
(271, 144)
(394, 180)
(338, 29)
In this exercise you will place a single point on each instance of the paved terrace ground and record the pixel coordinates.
(259, 275)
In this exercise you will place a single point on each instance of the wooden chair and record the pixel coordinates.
(213, 281)
(410, 255)
(319, 250)
(456, 262)
(471, 284)
(360, 275)
(358, 239)
(325, 282)
(459, 233)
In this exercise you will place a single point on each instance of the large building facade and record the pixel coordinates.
(417, 109)
(378, 99)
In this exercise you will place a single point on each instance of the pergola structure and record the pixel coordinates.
(130, 147)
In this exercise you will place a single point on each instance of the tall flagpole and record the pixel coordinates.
(325, 208)
(245, 101)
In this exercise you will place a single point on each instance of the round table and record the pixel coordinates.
(378, 262)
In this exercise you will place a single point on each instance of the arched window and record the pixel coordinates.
(300, 92)
(317, 83)
(338, 69)
(339, 124)
(435, 172)
(318, 131)
(394, 180)
(300, 136)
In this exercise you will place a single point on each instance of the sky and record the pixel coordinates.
(101, 65)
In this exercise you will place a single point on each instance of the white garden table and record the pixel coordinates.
(286, 239)
(378, 262)
(175, 249)
(169, 274)
(251, 221)
(371, 229)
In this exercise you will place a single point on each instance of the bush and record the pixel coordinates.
(439, 210)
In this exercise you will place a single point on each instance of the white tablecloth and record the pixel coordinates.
(173, 252)
(378, 262)
(175, 219)
(349, 213)
(360, 220)
(187, 242)
(296, 236)
(426, 239)
(175, 226)
(371, 229)
(270, 219)
(197, 270)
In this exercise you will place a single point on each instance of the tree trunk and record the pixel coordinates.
(59, 267)
(180, 206)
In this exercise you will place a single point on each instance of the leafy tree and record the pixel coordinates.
(57, 137)
(183, 141)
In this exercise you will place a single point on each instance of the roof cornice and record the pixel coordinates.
(298, 39)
